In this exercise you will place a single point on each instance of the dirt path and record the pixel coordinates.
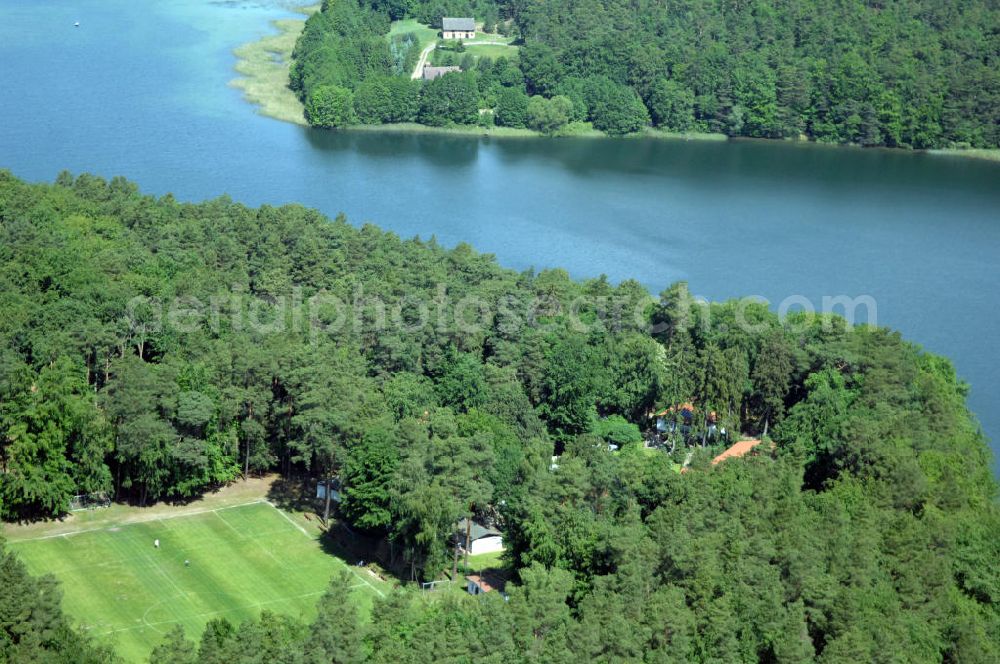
(252, 490)
(419, 69)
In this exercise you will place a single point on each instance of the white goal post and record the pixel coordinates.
(89, 501)
(432, 585)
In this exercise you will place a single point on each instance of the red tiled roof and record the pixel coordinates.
(480, 581)
(739, 449)
(680, 407)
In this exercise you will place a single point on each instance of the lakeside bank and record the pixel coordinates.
(989, 154)
(580, 130)
(264, 67)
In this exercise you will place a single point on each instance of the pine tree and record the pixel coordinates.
(772, 373)
(335, 636)
(174, 648)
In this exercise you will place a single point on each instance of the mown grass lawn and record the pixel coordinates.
(481, 50)
(492, 51)
(242, 559)
(481, 562)
(425, 35)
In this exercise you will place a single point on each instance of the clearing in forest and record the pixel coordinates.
(227, 562)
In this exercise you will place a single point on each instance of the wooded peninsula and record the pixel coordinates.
(922, 74)
(154, 350)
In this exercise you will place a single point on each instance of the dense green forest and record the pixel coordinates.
(900, 73)
(155, 349)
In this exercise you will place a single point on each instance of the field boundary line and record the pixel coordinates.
(193, 548)
(289, 520)
(122, 524)
(46, 537)
(367, 582)
(306, 533)
(232, 527)
(208, 613)
(255, 540)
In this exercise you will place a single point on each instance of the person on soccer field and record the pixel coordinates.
(156, 543)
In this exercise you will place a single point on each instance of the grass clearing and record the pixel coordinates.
(264, 65)
(492, 46)
(243, 558)
(492, 51)
(425, 35)
(482, 561)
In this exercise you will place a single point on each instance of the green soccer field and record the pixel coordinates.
(117, 585)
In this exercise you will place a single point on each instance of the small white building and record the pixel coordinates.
(481, 538)
(334, 490)
(458, 28)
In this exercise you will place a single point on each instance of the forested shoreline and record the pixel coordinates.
(866, 530)
(919, 74)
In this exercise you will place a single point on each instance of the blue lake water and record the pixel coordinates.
(140, 89)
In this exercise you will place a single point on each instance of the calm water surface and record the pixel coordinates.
(140, 89)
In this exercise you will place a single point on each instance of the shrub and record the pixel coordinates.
(616, 430)
(512, 108)
(549, 115)
(615, 108)
(671, 105)
(373, 101)
(330, 106)
(452, 98)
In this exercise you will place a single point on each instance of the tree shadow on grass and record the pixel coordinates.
(371, 552)
(297, 494)
(495, 570)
